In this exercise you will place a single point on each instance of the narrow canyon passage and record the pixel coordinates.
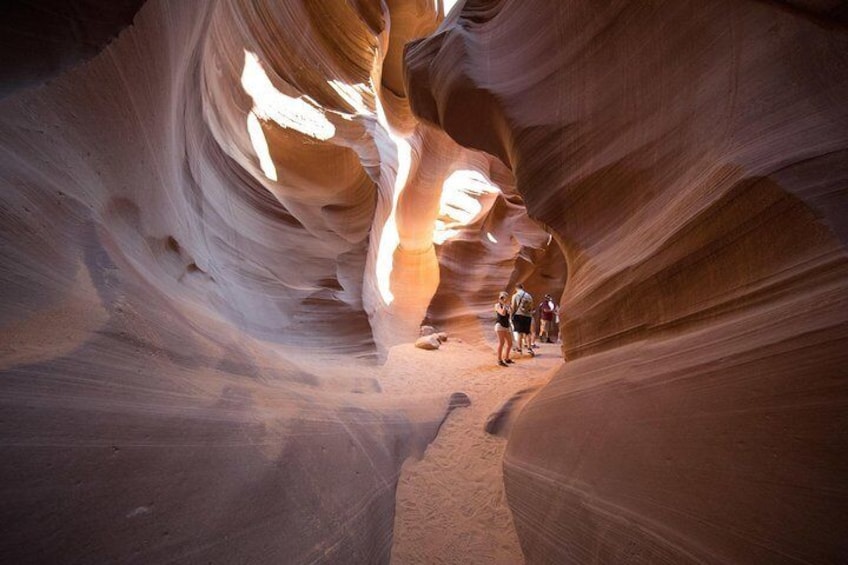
(224, 222)
(451, 506)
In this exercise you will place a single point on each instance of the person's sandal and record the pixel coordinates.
(531, 352)
(510, 361)
(502, 364)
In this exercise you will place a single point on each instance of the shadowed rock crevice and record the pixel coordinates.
(44, 38)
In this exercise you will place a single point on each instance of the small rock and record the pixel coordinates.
(428, 342)
(427, 330)
(443, 336)
(458, 400)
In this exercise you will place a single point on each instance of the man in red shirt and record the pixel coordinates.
(546, 315)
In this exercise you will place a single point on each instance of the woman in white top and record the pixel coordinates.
(502, 311)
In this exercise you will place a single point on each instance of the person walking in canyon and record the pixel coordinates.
(502, 329)
(546, 315)
(522, 318)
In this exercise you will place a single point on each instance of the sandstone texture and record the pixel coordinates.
(221, 218)
(210, 228)
(691, 160)
(430, 342)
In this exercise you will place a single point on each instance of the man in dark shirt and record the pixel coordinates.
(522, 317)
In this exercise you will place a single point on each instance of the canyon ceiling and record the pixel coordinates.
(210, 208)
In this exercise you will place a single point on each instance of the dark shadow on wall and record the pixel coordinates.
(77, 30)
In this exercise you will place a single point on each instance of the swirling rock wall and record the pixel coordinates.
(692, 160)
(206, 228)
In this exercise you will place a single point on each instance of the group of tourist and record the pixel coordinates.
(515, 316)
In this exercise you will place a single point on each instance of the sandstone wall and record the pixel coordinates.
(692, 160)
(184, 329)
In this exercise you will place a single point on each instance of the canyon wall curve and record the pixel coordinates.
(693, 162)
(213, 230)
(217, 225)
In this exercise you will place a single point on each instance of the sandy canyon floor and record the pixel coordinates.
(451, 506)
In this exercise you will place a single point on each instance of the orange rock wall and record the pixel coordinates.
(212, 231)
(185, 326)
(691, 160)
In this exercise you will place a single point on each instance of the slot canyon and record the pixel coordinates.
(225, 223)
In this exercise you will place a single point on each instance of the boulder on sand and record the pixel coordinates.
(428, 342)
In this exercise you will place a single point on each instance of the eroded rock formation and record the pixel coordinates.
(203, 225)
(692, 160)
(208, 222)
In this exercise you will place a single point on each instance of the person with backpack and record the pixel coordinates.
(522, 318)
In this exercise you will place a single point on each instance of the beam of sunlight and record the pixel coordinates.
(390, 238)
(300, 113)
(442, 233)
(352, 94)
(460, 203)
(448, 6)
(260, 146)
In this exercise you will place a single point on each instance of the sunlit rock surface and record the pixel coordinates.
(204, 226)
(692, 160)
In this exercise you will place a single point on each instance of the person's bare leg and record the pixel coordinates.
(508, 340)
(501, 343)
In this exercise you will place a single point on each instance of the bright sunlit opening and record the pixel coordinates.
(460, 203)
(390, 238)
(260, 146)
(490, 237)
(300, 113)
(352, 94)
(442, 233)
(448, 4)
